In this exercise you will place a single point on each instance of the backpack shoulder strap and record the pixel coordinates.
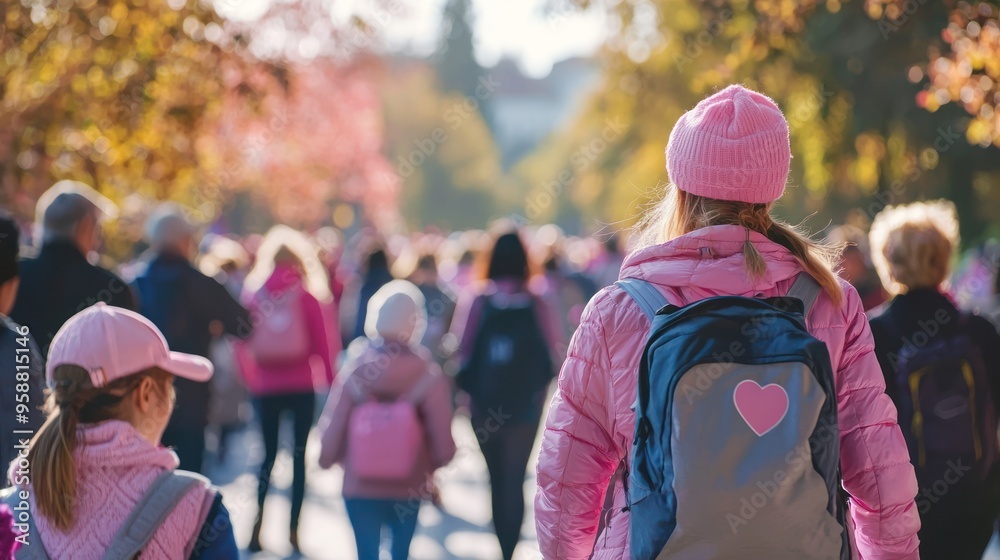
(152, 510)
(806, 289)
(650, 299)
(35, 550)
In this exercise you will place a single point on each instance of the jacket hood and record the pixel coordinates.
(711, 259)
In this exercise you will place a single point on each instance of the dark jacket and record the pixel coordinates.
(21, 382)
(59, 283)
(929, 312)
(957, 522)
(183, 303)
(373, 281)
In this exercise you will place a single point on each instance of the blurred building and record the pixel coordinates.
(526, 110)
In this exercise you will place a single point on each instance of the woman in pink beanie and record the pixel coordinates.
(714, 235)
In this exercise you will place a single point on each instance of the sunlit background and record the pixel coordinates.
(443, 115)
(408, 114)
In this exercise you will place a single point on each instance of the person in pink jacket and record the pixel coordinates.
(290, 356)
(389, 366)
(713, 234)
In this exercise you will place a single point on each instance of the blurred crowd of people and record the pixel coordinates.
(292, 320)
(279, 314)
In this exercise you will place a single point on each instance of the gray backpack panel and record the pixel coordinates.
(736, 451)
(764, 489)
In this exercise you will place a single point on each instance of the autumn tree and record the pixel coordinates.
(885, 102)
(311, 145)
(150, 100)
(109, 92)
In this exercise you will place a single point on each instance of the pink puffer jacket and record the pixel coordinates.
(590, 424)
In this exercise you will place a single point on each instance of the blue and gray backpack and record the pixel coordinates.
(736, 451)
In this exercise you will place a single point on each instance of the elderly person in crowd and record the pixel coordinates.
(189, 308)
(941, 368)
(60, 280)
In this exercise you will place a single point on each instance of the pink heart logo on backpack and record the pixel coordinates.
(762, 408)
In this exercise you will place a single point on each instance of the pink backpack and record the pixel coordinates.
(282, 336)
(385, 438)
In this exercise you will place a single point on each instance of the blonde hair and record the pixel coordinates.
(681, 213)
(912, 244)
(282, 243)
(73, 401)
(222, 250)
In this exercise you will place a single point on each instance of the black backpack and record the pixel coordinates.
(946, 409)
(510, 358)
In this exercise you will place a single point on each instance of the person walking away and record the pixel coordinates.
(291, 354)
(570, 289)
(388, 422)
(331, 243)
(21, 395)
(190, 309)
(942, 370)
(60, 280)
(744, 453)
(508, 336)
(439, 304)
(375, 275)
(855, 264)
(228, 412)
(100, 484)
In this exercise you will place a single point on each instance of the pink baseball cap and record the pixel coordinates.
(112, 343)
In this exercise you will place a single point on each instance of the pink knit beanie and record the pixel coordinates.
(731, 146)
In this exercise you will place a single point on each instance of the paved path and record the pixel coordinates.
(462, 530)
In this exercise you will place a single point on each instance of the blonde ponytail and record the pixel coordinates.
(680, 213)
(817, 258)
(51, 457)
(73, 400)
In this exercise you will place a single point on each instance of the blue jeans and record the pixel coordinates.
(370, 516)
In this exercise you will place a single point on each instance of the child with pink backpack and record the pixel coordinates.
(388, 422)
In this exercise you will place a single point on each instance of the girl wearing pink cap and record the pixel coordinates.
(713, 235)
(95, 481)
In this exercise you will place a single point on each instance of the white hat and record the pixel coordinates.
(396, 312)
